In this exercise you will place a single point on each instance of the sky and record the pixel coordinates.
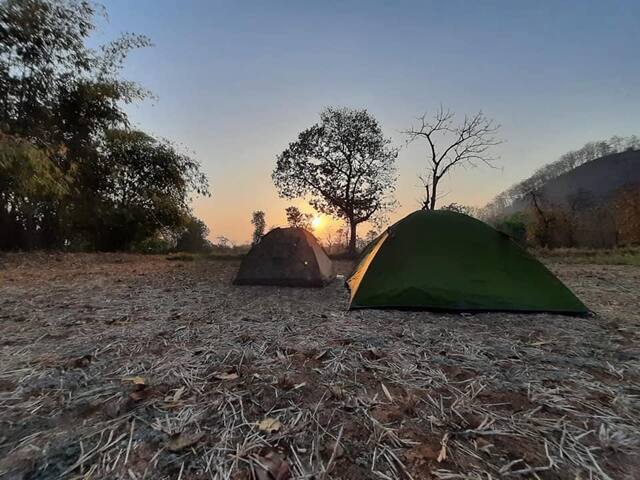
(235, 82)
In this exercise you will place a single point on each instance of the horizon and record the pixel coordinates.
(235, 86)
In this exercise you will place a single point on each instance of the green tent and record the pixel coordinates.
(443, 260)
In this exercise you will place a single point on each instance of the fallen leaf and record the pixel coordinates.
(337, 392)
(299, 385)
(269, 425)
(421, 454)
(243, 474)
(387, 414)
(226, 375)
(331, 447)
(386, 392)
(285, 383)
(140, 394)
(373, 354)
(81, 362)
(273, 467)
(321, 354)
(435, 421)
(443, 454)
(443, 451)
(178, 394)
(135, 380)
(484, 445)
(183, 440)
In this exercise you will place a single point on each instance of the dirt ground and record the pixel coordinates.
(125, 366)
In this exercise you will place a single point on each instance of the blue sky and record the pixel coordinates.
(236, 82)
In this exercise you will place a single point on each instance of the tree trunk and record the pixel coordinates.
(352, 238)
(434, 189)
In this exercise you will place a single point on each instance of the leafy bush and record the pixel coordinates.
(152, 245)
(515, 226)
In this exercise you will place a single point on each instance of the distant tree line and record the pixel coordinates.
(73, 173)
(579, 220)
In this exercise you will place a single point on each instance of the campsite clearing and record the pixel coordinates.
(129, 366)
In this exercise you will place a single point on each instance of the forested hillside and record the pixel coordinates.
(590, 197)
(515, 198)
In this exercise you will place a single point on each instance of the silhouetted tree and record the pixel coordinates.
(194, 237)
(145, 187)
(223, 242)
(295, 218)
(371, 236)
(259, 224)
(344, 164)
(456, 207)
(450, 146)
(368, 238)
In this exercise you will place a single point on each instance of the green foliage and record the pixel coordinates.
(515, 226)
(344, 164)
(194, 237)
(27, 172)
(72, 174)
(29, 182)
(156, 244)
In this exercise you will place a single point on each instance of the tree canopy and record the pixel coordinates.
(73, 174)
(344, 165)
(259, 225)
(297, 219)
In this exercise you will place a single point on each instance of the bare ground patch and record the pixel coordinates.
(123, 366)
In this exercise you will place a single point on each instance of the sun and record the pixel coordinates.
(316, 222)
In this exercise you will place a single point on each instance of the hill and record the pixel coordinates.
(597, 180)
(598, 168)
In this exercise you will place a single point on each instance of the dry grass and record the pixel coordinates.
(599, 256)
(118, 366)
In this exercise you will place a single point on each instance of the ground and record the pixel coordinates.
(125, 366)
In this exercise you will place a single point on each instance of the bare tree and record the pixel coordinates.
(449, 146)
(544, 221)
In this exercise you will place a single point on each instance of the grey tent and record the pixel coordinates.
(289, 257)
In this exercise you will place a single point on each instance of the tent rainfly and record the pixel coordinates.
(290, 257)
(442, 260)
